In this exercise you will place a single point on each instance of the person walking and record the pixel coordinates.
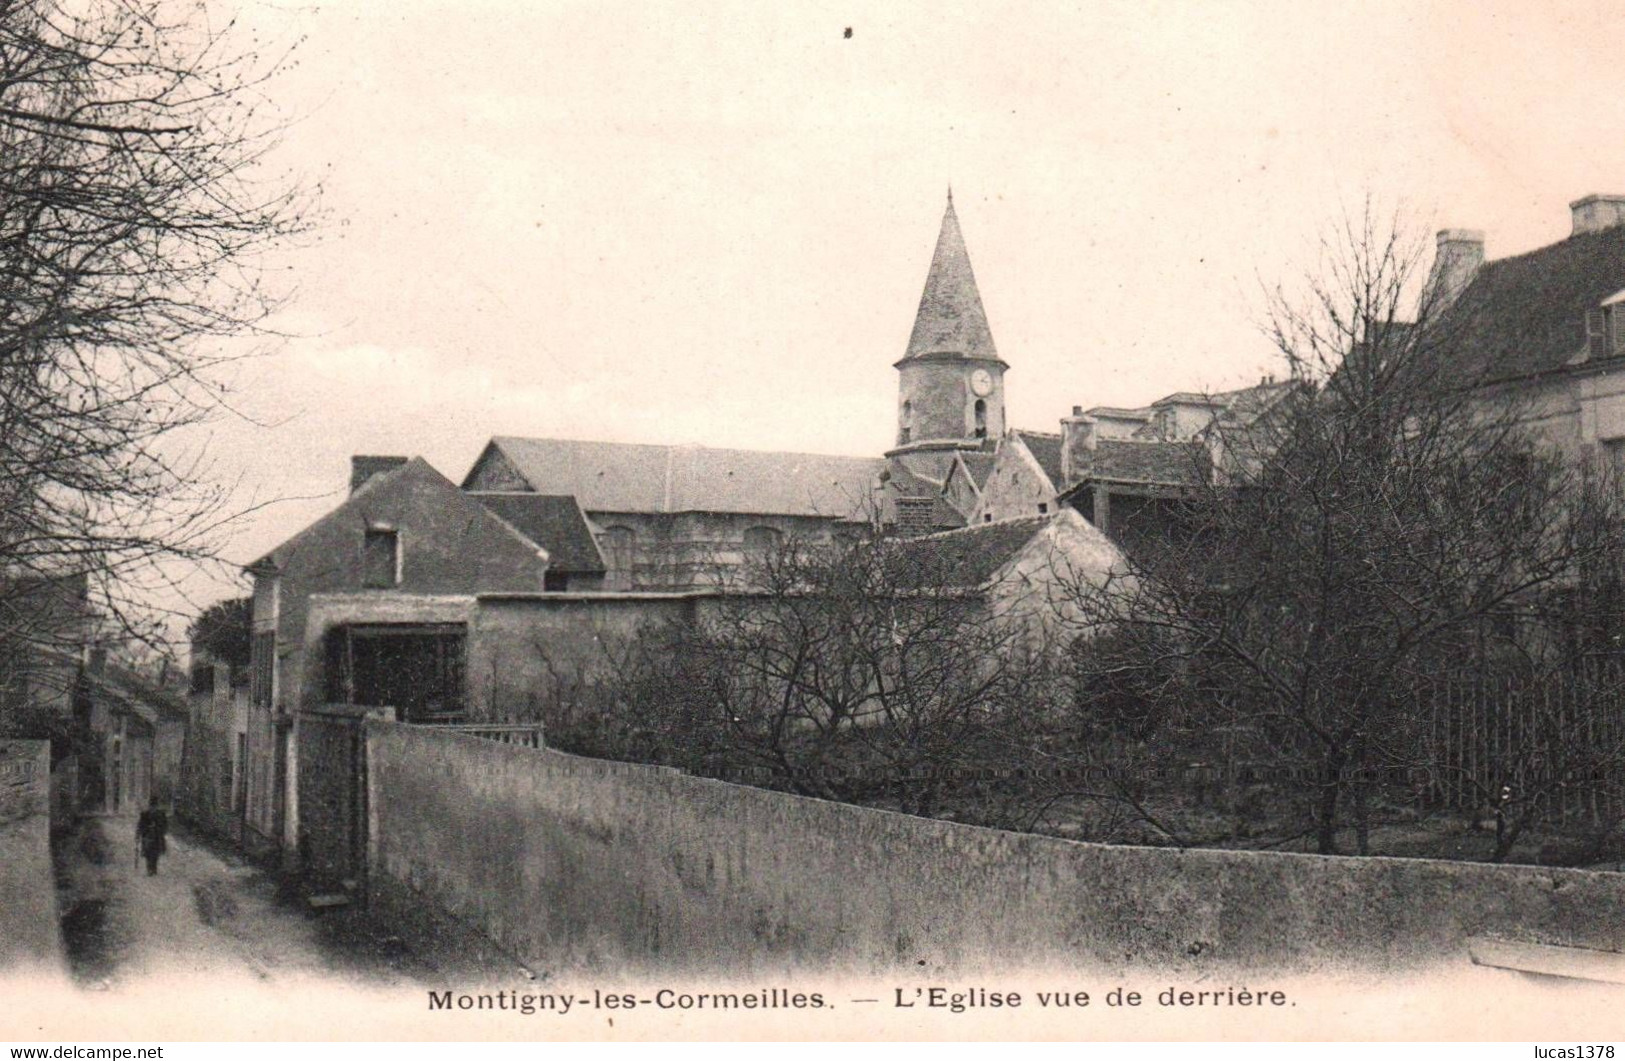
(151, 835)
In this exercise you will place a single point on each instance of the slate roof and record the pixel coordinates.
(1046, 450)
(979, 466)
(1526, 315)
(552, 521)
(1248, 402)
(416, 470)
(626, 477)
(951, 319)
(1126, 461)
(1115, 413)
(964, 558)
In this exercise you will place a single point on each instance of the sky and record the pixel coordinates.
(710, 222)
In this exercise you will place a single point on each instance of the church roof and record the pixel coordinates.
(951, 319)
(628, 477)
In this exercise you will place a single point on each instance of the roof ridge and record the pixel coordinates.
(1600, 235)
(972, 527)
(683, 445)
(360, 491)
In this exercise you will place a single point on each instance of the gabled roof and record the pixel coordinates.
(974, 557)
(1526, 315)
(553, 522)
(950, 319)
(416, 475)
(1112, 412)
(962, 559)
(626, 477)
(1186, 398)
(1046, 450)
(1243, 403)
(1248, 403)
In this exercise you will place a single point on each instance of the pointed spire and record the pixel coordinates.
(951, 319)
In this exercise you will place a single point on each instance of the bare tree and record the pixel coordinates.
(859, 669)
(135, 202)
(1383, 521)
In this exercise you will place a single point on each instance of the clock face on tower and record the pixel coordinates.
(981, 383)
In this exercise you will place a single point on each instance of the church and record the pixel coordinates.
(678, 517)
(672, 518)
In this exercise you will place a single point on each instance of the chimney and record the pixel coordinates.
(1460, 252)
(1597, 212)
(1078, 437)
(363, 468)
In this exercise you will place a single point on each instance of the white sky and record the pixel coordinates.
(708, 222)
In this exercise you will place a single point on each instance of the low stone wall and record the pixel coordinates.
(587, 865)
(29, 934)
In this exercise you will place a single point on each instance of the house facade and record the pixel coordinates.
(403, 530)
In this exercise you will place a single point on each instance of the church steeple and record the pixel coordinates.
(950, 319)
(950, 385)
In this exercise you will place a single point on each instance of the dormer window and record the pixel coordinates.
(1605, 328)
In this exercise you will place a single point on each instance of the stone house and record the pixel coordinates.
(1025, 571)
(1127, 469)
(1025, 478)
(213, 791)
(403, 530)
(1546, 329)
(117, 729)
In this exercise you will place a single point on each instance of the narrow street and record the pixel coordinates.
(204, 916)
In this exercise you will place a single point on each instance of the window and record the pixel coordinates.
(987, 517)
(263, 659)
(620, 549)
(1605, 329)
(761, 542)
(981, 418)
(1043, 508)
(380, 558)
(905, 424)
(1613, 459)
(555, 582)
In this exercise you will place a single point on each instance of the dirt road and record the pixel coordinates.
(204, 915)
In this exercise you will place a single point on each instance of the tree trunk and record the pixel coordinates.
(1362, 818)
(1326, 814)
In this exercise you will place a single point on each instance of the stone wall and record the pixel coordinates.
(578, 864)
(29, 937)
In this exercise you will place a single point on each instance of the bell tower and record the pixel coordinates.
(950, 386)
